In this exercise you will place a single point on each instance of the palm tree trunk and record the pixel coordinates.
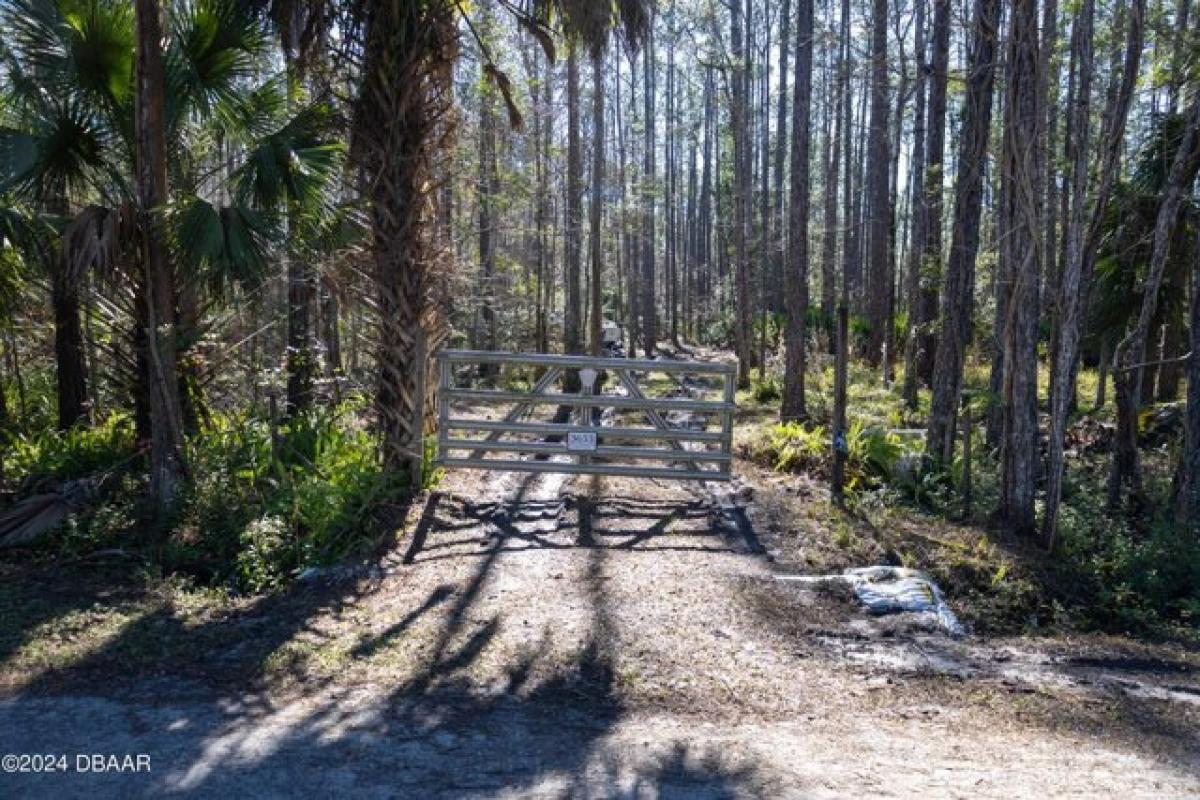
(301, 368)
(331, 337)
(399, 119)
(70, 366)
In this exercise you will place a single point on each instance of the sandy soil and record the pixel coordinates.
(557, 637)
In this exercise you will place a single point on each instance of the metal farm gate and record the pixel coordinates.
(664, 429)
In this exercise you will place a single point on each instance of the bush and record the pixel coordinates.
(795, 447)
(261, 510)
(766, 387)
(1125, 579)
(33, 460)
(266, 554)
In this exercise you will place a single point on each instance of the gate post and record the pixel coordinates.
(587, 388)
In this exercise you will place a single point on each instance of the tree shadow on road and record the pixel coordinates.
(214, 727)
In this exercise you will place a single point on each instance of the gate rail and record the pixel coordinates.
(595, 449)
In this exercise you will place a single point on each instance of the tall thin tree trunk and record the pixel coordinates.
(1131, 352)
(671, 189)
(649, 326)
(1068, 310)
(740, 123)
(573, 309)
(596, 211)
(781, 119)
(956, 302)
(830, 215)
(1022, 169)
(794, 406)
(879, 272)
(1186, 486)
(487, 188)
(706, 200)
(167, 465)
(930, 268)
(543, 134)
(849, 222)
(917, 214)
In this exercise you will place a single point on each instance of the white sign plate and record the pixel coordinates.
(581, 441)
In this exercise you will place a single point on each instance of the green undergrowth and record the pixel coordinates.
(263, 501)
(1130, 572)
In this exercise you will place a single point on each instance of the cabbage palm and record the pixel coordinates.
(404, 53)
(83, 136)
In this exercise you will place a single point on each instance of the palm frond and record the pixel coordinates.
(593, 21)
(295, 165)
(222, 246)
(61, 151)
(99, 238)
(216, 50)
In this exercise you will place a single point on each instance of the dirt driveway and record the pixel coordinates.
(558, 637)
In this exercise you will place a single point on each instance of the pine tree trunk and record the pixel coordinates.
(1131, 352)
(779, 225)
(648, 309)
(740, 123)
(958, 289)
(573, 310)
(917, 214)
(487, 188)
(1187, 476)
(930, 267)
(1067, 315)
(542, 136)
(597, 205)
(830, 215)
(671, 189)
(845, 95)
(879, 272)
(704, 267)
(794, 406)
(1022, 168)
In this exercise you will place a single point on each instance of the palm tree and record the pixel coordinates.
(406, 51)
(112, 128)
